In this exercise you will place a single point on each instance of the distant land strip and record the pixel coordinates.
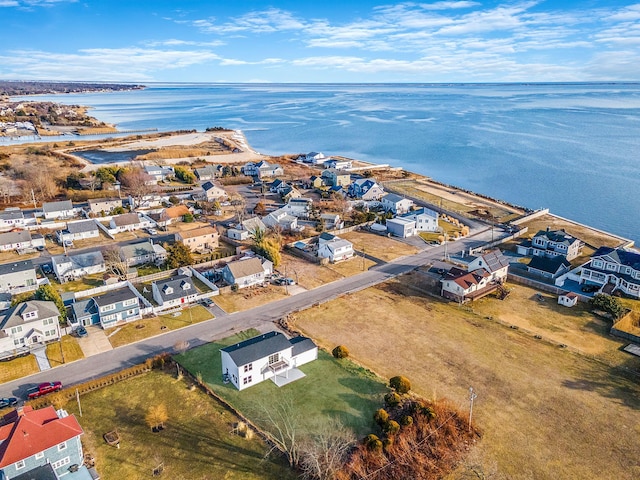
(14, 88)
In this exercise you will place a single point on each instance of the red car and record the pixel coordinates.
(43, 389)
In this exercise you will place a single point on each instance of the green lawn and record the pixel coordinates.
(70, 349)
(332, 389)
(196, 443)
(84, 283)
(148, 327)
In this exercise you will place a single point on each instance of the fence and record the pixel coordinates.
(532, 216)
(545, 287)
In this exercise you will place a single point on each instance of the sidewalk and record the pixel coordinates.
(41, 358)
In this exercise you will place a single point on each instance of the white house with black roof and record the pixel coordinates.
(268, 356)
(79, 230)
(175, 291)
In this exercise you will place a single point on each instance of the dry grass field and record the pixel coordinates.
(247, 298)
(545, 412)
(310, 275)
(378, 246)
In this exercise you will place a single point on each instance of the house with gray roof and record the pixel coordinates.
(126, 222)
(493, 261)
(208, 172)
(70, 267)
(267, 356)
(103, 206)
(547, 267)
(118, 306)
(11, 218)
(18, 277)
(552, 243)
(62, 209)
(20, 240)
(30, 323)
(175, 291)
(396, 204)
(613, 269)
(143, 252)
(334, 248)
(247, 272)
(79, 230)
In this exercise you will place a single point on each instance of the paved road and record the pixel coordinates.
(227, 324)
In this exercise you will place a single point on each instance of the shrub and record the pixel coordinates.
(406, 420)
(428, 412)
(381, 416)
(340, 352)
(391, 427)
(392, 399)
(372, 442)
(400, 384)
(387, 443)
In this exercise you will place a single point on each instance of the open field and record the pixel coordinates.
(196, 443)
(71, 351)
(18, 368)
(247, 298)
(378, 246)
(310, 275)
(331, 389)
(588, 235)
(455, 200)
(149, 327)
(545, 412)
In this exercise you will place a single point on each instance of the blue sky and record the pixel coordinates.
(320, 41)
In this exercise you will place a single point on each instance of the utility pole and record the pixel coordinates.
(472, 397)
(33, 197)
(78, 399)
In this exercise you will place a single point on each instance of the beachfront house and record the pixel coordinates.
(79, 230)
(267, 356)
(55, 210)
(71, 267)
(334, 248)
(613, 269)
(27, 324)
(313, 158)
(549, 268)
(18, 277)
(338, 164)
(247, 272)
(201, 239)
(551, 243)
(42, 444)
(396, 204)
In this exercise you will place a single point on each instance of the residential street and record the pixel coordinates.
(227, 324)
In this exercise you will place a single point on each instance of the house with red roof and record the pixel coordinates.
(461, 286)
(43, 444)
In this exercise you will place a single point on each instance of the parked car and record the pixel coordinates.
(81, 332)
(8, 402)
(590, 288)
(151, 231)
(207, 302)
(43, 389)
(284, 281)
(46, 268)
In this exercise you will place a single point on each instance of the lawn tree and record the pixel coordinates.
(260, 209)
(178, 255)
(324, 453)
(47, 292)
(156, 416)
(607, 303)
(282, 422)
(137, 182)
(114, 263)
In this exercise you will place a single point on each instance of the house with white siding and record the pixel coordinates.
(176, 291)
(71, 267)
(267, 356)
(27, 324)
(551, 243)
(55, 210)
(79, 230)
(401, 227)
(396, 204)
(247, 272)
(18, 277)
(425, 218)
(12, 218)
(334, 248)
(366, 189)
(613, 269)
(20, 240)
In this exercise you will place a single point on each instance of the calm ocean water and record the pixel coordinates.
(573, 148)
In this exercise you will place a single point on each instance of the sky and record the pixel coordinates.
(320, 41)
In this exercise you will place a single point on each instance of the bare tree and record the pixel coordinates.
(137, 182)
(282, 421)
(114, 263)
(324, 453)
(239, 206)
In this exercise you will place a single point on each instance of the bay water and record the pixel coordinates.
(574, 148)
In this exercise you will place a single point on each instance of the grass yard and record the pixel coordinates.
(149, 327)
(589, 236)
(84, 283)
(70, 350)
(545, 412)
(332, 389)
(378, 246)
(196, 443)
(247, 298)
(18, 368)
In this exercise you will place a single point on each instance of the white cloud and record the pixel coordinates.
(177, 43)
(33, 3)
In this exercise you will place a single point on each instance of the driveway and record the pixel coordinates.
(94, 343)
(41, 358)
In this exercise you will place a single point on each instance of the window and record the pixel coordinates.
(61, 463)
(15, 330)
(30, 315)
(19, 464)
(248, 368)
(131, 301)
(48, 321)
(246, 380)
(107, 308)
(39, 455)
(62, 446)
(108, 318)
(274, 358)
(131, 312)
